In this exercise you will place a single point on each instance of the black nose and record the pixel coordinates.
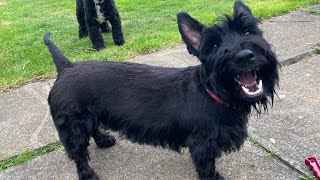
(245, 55)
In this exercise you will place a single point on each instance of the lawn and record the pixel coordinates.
(148, 26)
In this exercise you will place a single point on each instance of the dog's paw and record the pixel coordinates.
(218, 176)
(119, 42)
(88, 174)
(211, 176)
(98, 48)
(105, 141)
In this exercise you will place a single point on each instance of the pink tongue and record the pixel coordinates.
(247, 79)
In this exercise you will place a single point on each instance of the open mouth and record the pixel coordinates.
(251, 85)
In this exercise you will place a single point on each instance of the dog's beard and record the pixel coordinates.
(245, 87)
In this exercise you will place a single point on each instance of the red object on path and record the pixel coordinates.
(314, 166)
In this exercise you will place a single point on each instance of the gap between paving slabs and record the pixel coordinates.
(272, 152)
(31, 154)
(298, 58)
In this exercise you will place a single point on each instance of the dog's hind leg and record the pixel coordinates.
(75, 132)
(81, 20)
(103, 140)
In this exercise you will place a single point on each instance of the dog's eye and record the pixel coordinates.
(247, 33)
(214, 47)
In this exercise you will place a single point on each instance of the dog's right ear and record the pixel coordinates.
(241, 10)
(190, 30)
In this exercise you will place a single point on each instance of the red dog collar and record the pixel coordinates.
(215, 97)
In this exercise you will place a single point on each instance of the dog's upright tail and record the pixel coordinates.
(59, 59)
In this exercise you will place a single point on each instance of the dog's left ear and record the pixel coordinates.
(190, 30)
(241, 10)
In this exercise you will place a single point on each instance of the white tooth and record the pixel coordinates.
(246, 90)
(260, 84)
(258, 91)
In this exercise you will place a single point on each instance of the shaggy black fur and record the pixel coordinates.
(93, 15)
(168, 107)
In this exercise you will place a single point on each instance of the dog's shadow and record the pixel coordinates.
(128, 160)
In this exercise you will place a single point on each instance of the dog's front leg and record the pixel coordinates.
(93, 26)
(203, 156)
(85, 172)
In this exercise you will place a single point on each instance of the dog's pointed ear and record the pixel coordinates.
(241, 10)
(190, 30)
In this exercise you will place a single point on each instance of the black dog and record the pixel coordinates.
(204, 108)
(92, 16)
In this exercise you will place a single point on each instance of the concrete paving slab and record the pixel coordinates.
(174, 57)
(25, 119)
(136, 162)
(292, 126)
(293, 34)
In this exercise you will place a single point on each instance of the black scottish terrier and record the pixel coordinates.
(204, 108)
(93, 16)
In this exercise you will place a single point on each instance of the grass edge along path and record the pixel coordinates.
(28, 155)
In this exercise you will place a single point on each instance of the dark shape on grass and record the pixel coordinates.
(93, 17)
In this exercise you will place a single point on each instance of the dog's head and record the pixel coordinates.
(239, 64)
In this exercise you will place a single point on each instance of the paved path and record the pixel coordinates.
(290, 129)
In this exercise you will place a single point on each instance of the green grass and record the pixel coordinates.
(272, 152)
(254, 140)
(314, 11)
(28, 155)
(148, 26)
(307, 178)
